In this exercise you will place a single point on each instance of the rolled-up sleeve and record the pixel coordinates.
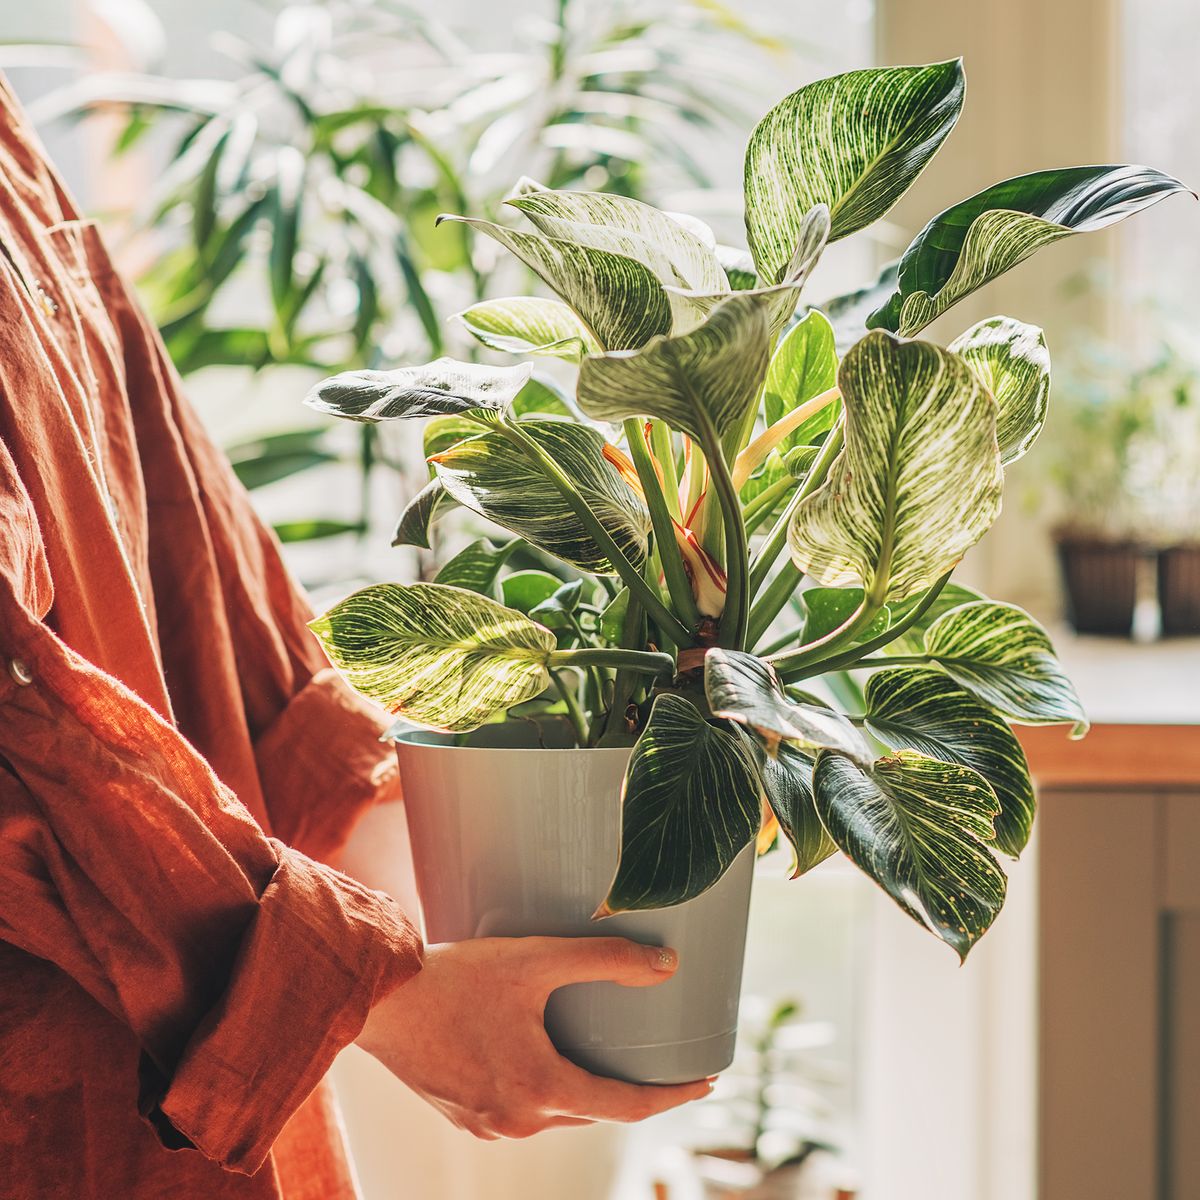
(241, 965)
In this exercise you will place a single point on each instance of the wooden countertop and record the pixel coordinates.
(1144, 703)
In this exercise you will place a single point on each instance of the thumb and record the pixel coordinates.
(618, 960)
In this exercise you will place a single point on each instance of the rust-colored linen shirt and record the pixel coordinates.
(177, 968)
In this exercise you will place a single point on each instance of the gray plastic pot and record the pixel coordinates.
(510, 839)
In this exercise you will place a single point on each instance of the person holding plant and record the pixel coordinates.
(178, 966)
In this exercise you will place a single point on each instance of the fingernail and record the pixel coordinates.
(662, 958)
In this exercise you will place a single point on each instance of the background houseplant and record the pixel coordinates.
(874, 473)
(773, 1126)
(1126, 464)
(291, 222)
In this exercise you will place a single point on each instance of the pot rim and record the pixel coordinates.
(440, 740)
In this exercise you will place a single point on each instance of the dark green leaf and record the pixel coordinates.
(920, 828)
(691, 805)
(745, 689)
(977, 239)
(912, 708)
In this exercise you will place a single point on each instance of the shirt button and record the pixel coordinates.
(21, 674)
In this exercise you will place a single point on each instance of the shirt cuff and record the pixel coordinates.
(322, 765)
(321, 952)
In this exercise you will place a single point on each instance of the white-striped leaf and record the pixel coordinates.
(787, 784)
(1005, 657)
(1012, 360)
(691, 804)
(912, 640)
(419, 514)
(746, 690)
(914, 708)
(625, 226)
(699, 382)
(490, 477)
(985, 235)
(921, 829)
(619, 299)
(439, 656)
(783, 295)
(438, 388)
(477, 567)
(854, 142)
(529, 325)
(919, 480)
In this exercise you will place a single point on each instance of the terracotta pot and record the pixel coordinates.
(1101, 584)
(1179, 589)
(510, 839)
(733, 1175)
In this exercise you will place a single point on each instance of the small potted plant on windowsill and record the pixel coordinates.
(1127, 465)
(774, 1120)
(638, 730)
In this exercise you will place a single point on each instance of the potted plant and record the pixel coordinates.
(614, 747)
(1127, 466)
(780, 1150)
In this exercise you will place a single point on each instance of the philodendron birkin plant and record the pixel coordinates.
(731, 455)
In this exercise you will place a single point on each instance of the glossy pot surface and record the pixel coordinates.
(512, 836)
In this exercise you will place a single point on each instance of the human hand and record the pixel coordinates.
(467, 1034)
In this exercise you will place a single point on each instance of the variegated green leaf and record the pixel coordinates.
(912, 640)
(619, 299)
(529, 325)
(476, 567)
(783, 295)
(804, 365)
(787, 784)
(692, 803)
(1012, 360)
(626, 226)
(827, 609)
(490, 477)
(443, 432)
(746, 690)
(913, 708)
(435, 389)
(985, 235)
(439, 656)
(544, 397)
(1005, 657)
(919, 480)
(702, 383)
(854, 142)
(524, 590)
(413, 527)
(921, 829)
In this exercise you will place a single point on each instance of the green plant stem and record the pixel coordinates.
(632, 635)
(734, 619)
(761, 507)
(770, 604)
(574, 712)
(679, 586)
(664, 453)
(900, 660)
(856, 655)
(638, 586)
(798, 664)
(777, 538)
(644, 662)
